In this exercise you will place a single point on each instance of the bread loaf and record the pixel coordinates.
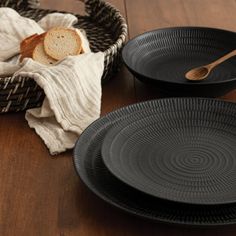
(51, 46)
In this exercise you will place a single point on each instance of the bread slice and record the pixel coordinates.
(40, 55)
(28, 45)
(61, 42)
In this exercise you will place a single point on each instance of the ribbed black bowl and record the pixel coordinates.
(92, 171)
(162, 57)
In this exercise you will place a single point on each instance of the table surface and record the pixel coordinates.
(43, 196)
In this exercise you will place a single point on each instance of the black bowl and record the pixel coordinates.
(162, 57)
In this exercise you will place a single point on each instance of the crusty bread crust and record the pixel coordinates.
(28, 45)
(24, 44)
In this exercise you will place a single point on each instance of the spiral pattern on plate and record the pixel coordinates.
(184, 159)
(90, 167)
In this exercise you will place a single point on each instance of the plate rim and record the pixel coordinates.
(86, 182)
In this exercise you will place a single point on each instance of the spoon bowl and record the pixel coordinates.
(202, 72)
(198, 73)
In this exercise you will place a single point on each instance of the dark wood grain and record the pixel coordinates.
(41, 195)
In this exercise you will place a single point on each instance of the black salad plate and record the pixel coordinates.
(183, 154)
(163, 56)
(93, 172)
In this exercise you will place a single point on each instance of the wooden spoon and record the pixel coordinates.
(202, 72)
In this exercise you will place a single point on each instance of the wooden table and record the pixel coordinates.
(43, 196)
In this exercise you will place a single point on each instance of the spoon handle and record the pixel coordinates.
(222, 59)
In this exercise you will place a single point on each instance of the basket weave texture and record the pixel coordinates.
(106, 31)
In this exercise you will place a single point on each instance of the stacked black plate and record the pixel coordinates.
(170, 160)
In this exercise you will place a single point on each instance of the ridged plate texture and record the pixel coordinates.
(92, 171)
(184, 155)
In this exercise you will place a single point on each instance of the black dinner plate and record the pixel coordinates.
(183, 154)
(92, 171)
(163, 56)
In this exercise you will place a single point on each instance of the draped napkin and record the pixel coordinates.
(72, 86)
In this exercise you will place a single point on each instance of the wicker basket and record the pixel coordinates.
(106, 30)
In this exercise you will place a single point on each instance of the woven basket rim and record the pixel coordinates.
(17, 92)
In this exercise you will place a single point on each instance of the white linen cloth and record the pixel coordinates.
(72, 86)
